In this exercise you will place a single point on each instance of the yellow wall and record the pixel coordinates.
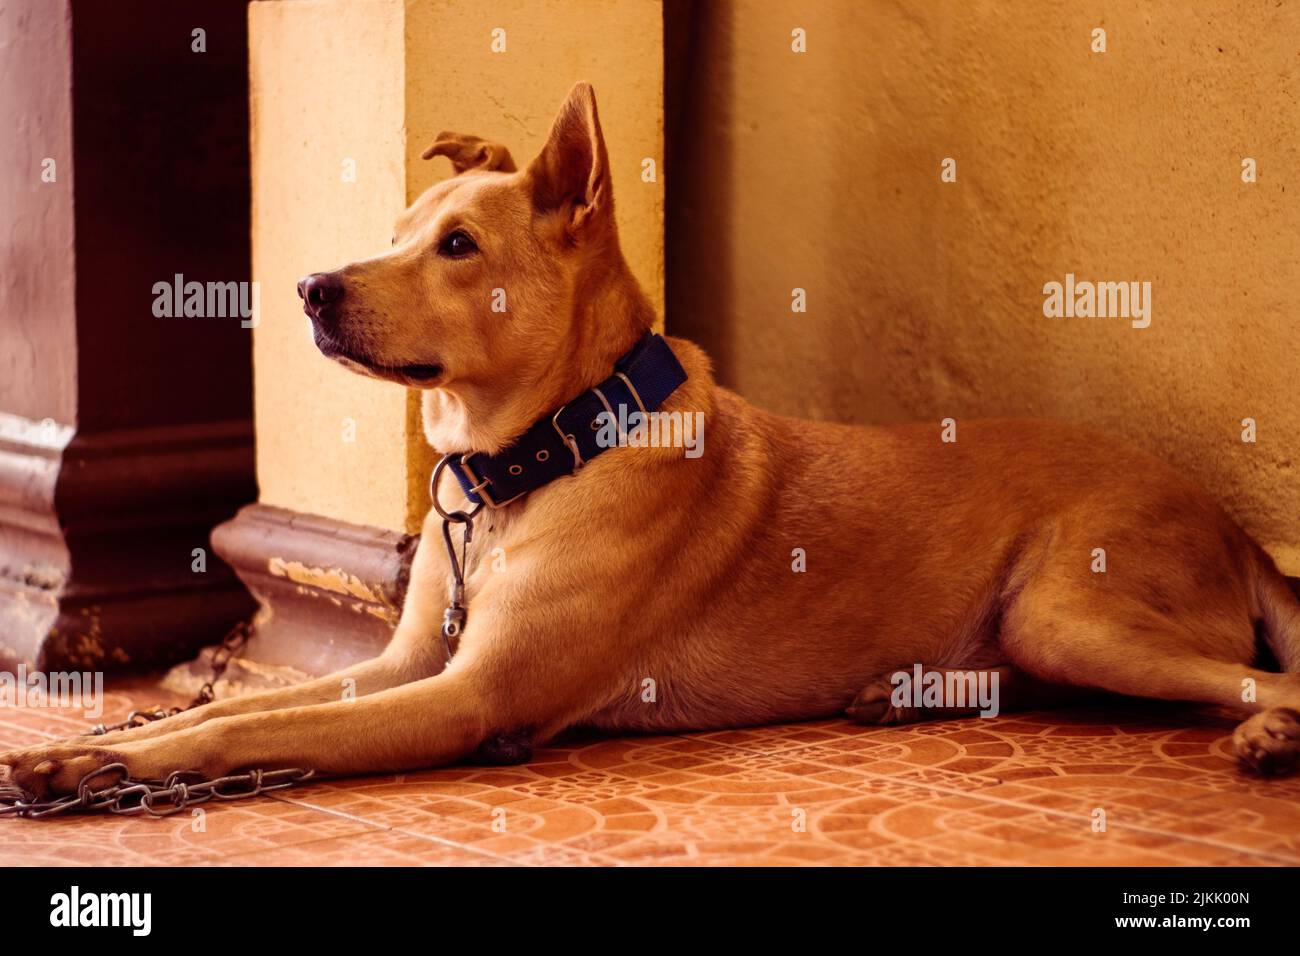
(925, 299)
(326, 81)
(375, 81)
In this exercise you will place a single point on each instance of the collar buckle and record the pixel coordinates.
(569, 440)
(649, 367)
(479, 485)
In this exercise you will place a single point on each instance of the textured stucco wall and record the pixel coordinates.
(38, 365)
(326, 86)
(822, 171)
(376, 80)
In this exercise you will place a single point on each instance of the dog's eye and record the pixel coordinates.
(457, 245)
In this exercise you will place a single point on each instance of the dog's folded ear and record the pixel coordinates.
(572, 171)
(470, 152)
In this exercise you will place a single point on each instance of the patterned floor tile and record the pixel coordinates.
(370, 847)
(246, 826)
(1019, 789)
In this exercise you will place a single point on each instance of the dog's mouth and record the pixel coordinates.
(415, 375)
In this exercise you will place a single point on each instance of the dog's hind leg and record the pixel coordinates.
(905, 696)
(1118, 643)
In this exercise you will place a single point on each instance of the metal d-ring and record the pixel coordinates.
(461, 516)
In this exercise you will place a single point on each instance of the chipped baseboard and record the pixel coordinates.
(330, 592)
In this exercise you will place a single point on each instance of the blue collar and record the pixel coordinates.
(562, 442)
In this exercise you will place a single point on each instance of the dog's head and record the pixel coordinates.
(490, 280)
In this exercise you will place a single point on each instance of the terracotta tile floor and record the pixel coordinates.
(1019, 789)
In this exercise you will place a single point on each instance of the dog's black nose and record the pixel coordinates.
(318, 290)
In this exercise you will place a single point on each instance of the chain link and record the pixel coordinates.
(181, 789)
(226, 651)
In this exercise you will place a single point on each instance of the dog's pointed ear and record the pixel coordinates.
(572, 171)
(470, 152)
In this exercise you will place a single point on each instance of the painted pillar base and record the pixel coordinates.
(330, 592)
(124, 436)
(98, 541)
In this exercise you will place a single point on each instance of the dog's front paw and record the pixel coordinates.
(1269, 742)
(56, 769)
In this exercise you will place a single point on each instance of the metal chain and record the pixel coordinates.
(124, 795)
(227, 650)
(180, 789)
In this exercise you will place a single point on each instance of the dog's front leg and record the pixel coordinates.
(432, 721)
(367, 677)
(413, 653)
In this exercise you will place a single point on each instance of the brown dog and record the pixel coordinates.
(786, 573)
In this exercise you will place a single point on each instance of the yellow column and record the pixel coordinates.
(346, 94)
